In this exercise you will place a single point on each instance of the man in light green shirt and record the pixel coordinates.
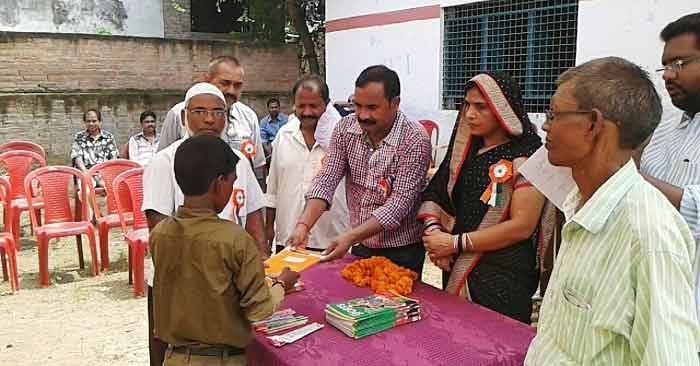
(621, 290)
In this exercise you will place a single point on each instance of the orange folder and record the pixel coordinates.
(297, 260)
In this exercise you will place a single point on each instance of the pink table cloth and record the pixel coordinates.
(452, 331)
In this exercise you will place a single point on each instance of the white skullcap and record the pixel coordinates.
(203, 88)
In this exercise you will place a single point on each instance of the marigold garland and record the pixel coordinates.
(381, 275)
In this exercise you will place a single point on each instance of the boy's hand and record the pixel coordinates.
(288, 278)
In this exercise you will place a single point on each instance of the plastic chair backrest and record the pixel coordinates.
(5, 198)
(23, 145)
(130, 184)
(54, 183)
(18, 164)
(109, 170)
(430, 126)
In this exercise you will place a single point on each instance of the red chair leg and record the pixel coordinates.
(93, 251)
(43, 243)
(14, 276)
(131, 261)
(79, 239)
(4, 264)
(139, 254)
(104, 247)
(15, 230)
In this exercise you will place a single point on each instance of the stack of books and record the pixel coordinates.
(279, 321)
(365, 316)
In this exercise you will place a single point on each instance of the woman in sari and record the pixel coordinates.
(481, 218)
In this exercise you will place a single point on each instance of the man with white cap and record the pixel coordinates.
(204, 112)
(243, 129)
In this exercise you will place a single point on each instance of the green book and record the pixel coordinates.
(365, 316)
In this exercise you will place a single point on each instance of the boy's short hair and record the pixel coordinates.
(199, 160)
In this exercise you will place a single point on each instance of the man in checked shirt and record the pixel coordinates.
(384, 158)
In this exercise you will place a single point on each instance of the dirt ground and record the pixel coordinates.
(79, 319)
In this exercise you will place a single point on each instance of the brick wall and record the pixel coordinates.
(176, 19)
(47, 80)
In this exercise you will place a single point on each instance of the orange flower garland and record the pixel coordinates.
(381, 275)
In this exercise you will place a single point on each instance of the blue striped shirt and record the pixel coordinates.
(673, 156)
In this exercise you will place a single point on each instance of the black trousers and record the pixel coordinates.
(410, 256)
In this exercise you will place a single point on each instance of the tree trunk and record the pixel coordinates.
(298, 17)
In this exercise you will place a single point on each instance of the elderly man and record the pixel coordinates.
(296, 159)
(384, 158)
(243, 131)
(226, 73)
(204, 113)
(93, 145)
(620, 293)
(671, 161)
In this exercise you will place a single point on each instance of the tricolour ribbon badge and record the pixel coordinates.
(499, 173)
(237, 200)
(248, 149)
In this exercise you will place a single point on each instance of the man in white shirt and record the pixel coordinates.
(142, 146)
(671, 160)
(204, 112)
(297, 157)
(243, 130)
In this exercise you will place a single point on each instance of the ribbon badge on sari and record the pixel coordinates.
(248, 149)
(499, 174)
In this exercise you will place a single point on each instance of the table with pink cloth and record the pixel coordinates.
(452, 331)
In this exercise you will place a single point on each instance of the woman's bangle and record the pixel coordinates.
(430, 226)
(460, 244)
(470, 243)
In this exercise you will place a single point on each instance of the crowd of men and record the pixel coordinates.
(624, 290)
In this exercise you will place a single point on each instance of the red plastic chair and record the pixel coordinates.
(59, 221)
(7, 240)
(23, 145)
(108, 170)
(18, 164)
(129, 194)
(430, 127)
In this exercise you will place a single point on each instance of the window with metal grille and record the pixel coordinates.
(532, 40)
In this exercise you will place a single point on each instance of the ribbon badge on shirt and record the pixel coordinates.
(237, 200)
(248, 149)
(385, 186)
(499, 173)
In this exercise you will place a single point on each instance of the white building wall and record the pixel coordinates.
(625, 28)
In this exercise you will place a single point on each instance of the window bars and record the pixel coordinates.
(532, 40)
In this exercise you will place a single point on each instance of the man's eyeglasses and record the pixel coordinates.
(218, 113)
(677, 66)
(551, 115)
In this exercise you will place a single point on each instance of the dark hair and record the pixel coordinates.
(273, 100)
(147, 114)
(622, 91)
(313, 83)
(381, 74)
(214, 63)
(199, 160)
(686, 24)
(99, 115)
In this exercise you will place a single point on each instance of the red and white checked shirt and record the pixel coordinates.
(385, 183)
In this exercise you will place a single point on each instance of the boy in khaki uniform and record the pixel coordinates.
(209, 279)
